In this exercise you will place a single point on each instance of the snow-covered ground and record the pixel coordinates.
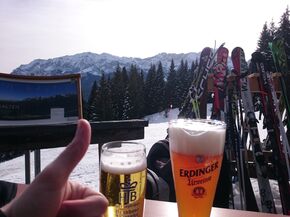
(87, 170)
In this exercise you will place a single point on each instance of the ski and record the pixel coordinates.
(219, 70)
(241, 72)
(275, 128)
(248, 199)
(277, 48)
(219, 78)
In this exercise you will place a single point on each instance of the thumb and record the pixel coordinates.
(60, 169)
(44, 195)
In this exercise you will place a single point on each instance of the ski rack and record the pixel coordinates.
(253, 81)
(254, 88)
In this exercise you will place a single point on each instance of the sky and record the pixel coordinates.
(43, 29)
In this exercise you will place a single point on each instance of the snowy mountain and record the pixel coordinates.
(97, 64)
(92, 65)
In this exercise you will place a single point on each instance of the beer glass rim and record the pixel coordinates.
(218, 123)
(114, 147)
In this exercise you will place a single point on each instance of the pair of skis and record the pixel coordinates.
(190, 107)
(226, 108)
(250, 125)
(273, 123)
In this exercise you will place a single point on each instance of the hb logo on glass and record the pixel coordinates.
(128, 193)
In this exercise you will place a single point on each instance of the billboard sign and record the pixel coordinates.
(31, 100)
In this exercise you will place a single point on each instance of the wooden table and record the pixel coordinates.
(168, 209)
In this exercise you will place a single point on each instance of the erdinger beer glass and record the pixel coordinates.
(196, 150)
(123, 178)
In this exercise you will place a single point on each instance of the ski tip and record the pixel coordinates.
(257, 56)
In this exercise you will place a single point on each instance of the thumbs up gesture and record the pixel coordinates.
(52, 195)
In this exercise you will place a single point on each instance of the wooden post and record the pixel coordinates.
(100, 150)
(27, 167)
(203, 103)
(37, 164)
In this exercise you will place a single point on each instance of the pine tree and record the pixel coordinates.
(192, 71)
(150, 90)
(135, 93)
(284, 31)
(183, 82)
(118, 88)
(127, 107)
(92, 104)
(160, 89)
(104, 100)
(272, 29)
(187, 79)
(179, 84)
(263, 44)
(264, 39)
(141, 87)
(125, 75)
(170, 87)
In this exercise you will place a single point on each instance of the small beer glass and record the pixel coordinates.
(196, 151)
(123, 178)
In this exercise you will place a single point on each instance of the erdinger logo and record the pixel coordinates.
(199, 159)
(198, 192)
(127, 192)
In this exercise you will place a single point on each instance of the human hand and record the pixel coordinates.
(52, 195)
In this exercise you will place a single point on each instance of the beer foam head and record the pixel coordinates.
(202, 137)
(123, 158)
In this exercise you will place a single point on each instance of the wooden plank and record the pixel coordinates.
(267, 155)
(252, 168)
(254, 82)
(270, 170)
(210, 85)
(59, 135)
(154, 208)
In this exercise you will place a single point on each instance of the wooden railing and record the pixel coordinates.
(39, 137)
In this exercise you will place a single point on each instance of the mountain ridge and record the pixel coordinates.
(88, 62)
(91, 65)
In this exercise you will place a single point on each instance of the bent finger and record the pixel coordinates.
(92, 206)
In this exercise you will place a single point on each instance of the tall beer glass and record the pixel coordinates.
(196, 150)
(123, 178)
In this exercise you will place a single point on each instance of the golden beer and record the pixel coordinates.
(196, 150)
(123, 178)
